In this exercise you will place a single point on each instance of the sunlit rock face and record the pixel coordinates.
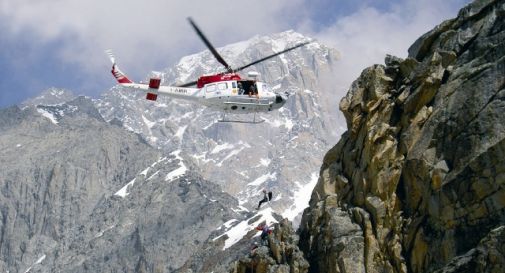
(417, 183)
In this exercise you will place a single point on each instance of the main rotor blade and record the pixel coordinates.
(271, 56)
(209, 46)
(188, 84)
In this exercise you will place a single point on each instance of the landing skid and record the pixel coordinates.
(254, 121)
(244, 121)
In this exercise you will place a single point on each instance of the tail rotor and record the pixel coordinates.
(118, 74)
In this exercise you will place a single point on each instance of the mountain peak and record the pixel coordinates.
(237, 54)
(51, 96)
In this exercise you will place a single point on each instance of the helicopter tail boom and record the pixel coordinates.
(118, 74)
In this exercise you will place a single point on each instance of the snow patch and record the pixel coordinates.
(48, 115)
(123, 192)
(100, 234)
(202, 157)
(221, 147)
(265, 161)
(276, 87)
(301, 198)
(179, 171)
(262, 179)
(144, 172)
(277, 198)
(243, 173)
(237, 232)
(232, 153)
(210, 124)
(293, 138)
(180, 131)
(240, 209)
(228, 224)
(37, 262)
(287, 122)
(40, 259)
(149, 123)
(242, 145)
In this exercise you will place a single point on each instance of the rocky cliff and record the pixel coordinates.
(79, 194)
(280, 255)
(417, 183)
(56, 163)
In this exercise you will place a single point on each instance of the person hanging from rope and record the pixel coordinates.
(267, 196)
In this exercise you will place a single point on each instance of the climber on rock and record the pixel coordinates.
(265, 231)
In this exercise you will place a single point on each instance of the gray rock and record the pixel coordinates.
(64, 172)
(53, 175)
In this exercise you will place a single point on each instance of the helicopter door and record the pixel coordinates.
(222, 89)
(210, 90)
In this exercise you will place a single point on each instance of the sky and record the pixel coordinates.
(61, 43)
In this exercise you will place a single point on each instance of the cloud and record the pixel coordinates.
(144, 34)
(67, 37)
(365, 36)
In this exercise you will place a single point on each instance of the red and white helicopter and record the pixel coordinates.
(226, 91)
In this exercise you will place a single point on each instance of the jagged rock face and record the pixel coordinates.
(155, 228)
(420, 171)
(488, 256)
(280, 256)
(283, 153)
(81, 195)
(250, 254)
(53, 175)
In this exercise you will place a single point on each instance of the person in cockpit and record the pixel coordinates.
(253, 91)
(240, 89)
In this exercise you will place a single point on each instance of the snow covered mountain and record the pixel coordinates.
(99, 197)
(51, 96)
(282, 154)
(79, 194)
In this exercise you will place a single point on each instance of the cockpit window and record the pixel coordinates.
(211, 88)
(265, 87)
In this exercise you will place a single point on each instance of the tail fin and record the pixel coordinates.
(118, 74)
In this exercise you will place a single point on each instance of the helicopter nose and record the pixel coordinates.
(281, 98)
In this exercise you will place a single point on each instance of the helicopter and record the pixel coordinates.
(227, 91)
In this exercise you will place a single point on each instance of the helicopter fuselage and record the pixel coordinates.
(231, 96)
(226, 91)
